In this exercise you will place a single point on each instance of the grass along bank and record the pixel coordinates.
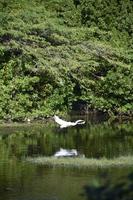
(86, 163)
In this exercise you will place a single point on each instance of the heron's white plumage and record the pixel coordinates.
(64, 124)
(58, 120)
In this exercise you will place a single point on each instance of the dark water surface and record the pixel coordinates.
(22, 181)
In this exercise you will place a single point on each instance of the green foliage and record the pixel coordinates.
(108, 14)
(104, 189)
(54, 54)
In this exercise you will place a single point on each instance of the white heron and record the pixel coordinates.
(66, 153)
(64, 124)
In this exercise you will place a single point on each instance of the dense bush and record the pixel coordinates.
(55, 54)
(108, 14)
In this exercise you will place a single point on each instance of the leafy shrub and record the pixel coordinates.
(54, 54)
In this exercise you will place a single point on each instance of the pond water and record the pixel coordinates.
(24, 181)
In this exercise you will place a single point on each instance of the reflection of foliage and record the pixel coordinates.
(95, 141)
(122, 190)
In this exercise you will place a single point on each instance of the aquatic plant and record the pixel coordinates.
(82, 162)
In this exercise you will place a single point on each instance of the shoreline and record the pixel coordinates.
(91, 115)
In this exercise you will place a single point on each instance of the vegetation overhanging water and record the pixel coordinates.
(60, 55)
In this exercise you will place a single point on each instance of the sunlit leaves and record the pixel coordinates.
(49, 60)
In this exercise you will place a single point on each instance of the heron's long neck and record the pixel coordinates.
(77, 122)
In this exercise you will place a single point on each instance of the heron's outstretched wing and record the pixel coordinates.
(58, 120)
